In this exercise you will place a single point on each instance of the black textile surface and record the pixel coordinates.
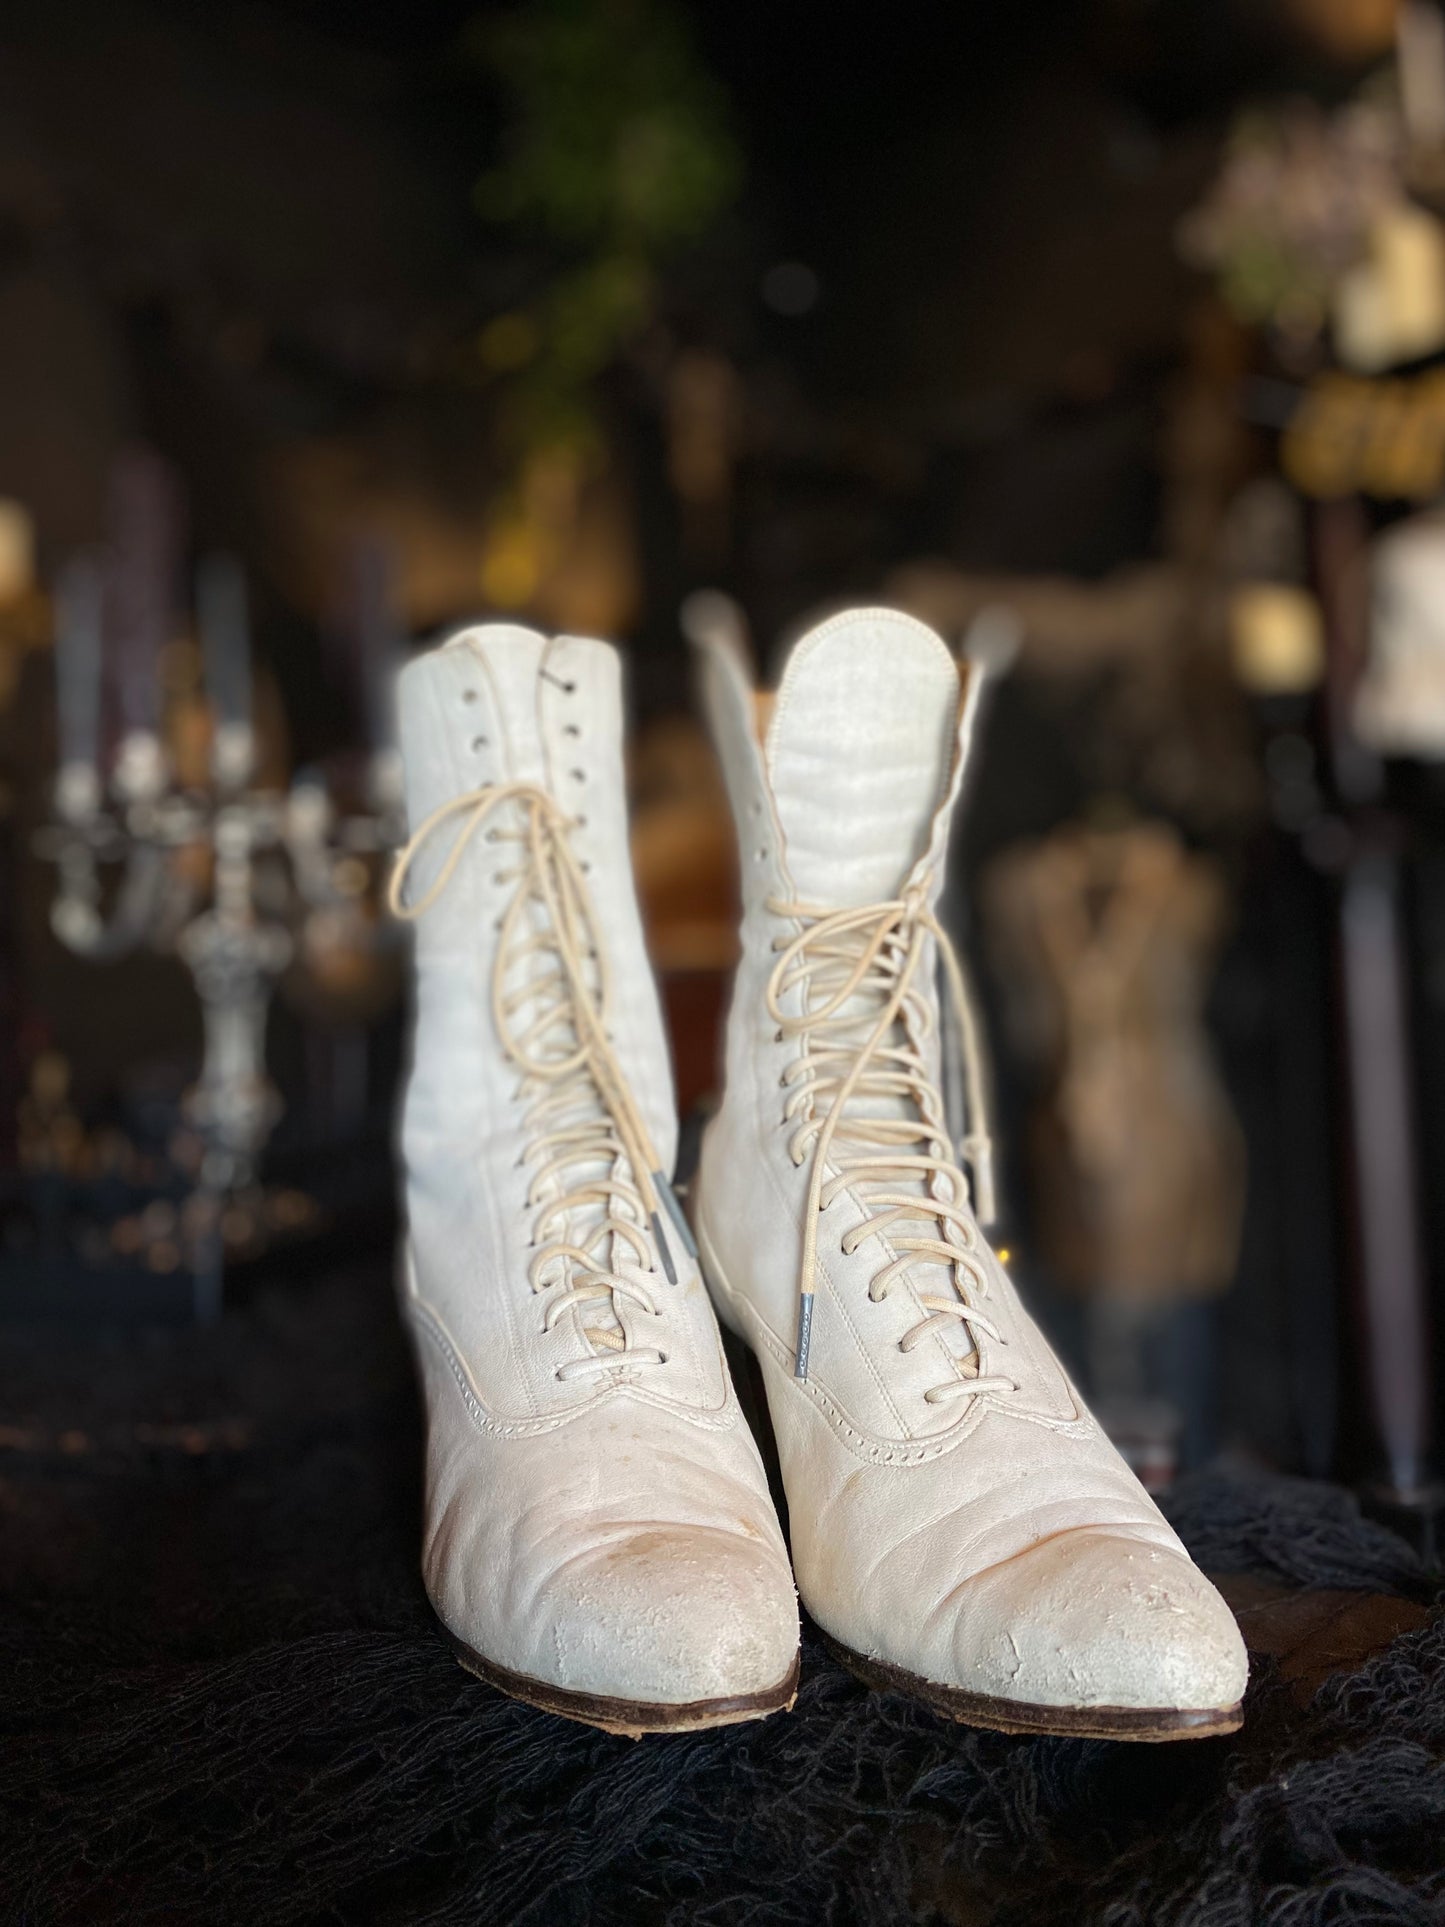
(224, 1700)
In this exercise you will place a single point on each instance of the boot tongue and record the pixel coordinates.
(859, 753)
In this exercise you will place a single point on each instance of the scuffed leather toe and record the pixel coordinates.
(677, 1613)
(1093, 1617)
(630, 1555)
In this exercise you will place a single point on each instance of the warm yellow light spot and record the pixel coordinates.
(511, 567)
(1003, 1254)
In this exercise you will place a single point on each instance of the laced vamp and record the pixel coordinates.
(871, 1119)
(597, 1186)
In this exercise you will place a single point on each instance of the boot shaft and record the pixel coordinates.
(499, 704)
(844, 785)
(844, 788)
(497, 707)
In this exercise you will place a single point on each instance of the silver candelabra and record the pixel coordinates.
(277, 857)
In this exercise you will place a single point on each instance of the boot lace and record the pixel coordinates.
(869, 1116)
(597, 1187)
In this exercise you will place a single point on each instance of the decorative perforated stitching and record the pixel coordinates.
(724, 1420)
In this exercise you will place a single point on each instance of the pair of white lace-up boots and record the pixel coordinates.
(600, 1540)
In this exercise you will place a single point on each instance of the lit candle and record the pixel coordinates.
(78, 619)
(222, 617)
(141, 596)
(372, 639)
(378, 643)
(145, 525)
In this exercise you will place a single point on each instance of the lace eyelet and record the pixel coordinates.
(479, 743)
(469, 695)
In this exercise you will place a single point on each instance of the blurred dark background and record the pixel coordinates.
(564, 311)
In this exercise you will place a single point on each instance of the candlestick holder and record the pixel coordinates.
(226, 878)
(293, 852)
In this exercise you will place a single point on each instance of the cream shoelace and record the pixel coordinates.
(552, 1022)
(873, 1121)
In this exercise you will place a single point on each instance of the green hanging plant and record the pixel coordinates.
(618, 153)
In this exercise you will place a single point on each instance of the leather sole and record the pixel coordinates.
(1146, 1723)
(629, 1718)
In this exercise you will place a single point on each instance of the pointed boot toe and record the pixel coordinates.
(678, 1617)
(1103, 1622)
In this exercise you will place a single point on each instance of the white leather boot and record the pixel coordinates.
(961, 1528)
(599, 1537)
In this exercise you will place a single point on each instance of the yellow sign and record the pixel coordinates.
(1352, 435)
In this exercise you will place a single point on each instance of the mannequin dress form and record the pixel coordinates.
(1104, 933)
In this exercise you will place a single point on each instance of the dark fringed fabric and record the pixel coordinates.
(224, 1700)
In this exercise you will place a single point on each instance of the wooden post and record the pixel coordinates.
(1389, 1393)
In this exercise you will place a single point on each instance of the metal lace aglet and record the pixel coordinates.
(662, 1251)
(805, 1334)
(675, 1211)
(979, 1152)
